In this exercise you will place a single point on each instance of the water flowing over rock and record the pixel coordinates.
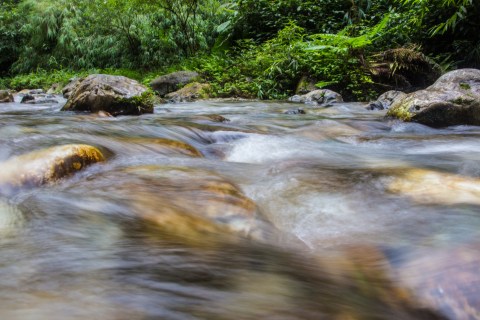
(5, 96)
(172, 81)
(184, 202)
(454, 99)
(443, 279)
(39, 98)
(46, 166)
(433, 187)
(318, 97)
(116, 95)
(191, 92)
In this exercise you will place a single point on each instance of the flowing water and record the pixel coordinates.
(329, 181)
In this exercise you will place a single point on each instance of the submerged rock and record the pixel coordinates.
(295, 111)
(116, 95)
(163, 146)
(38, 99)
(385, 100)
(5, 96)
(445, 280)
(318, 97)
(454, 99)
(433, 187)
(46, 166)
(191, 92)
(186, 203)
(172, 81)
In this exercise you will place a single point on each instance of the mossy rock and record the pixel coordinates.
(46, 166)
(454, 99)
(173, 81)
(191, 92)
(116, 95)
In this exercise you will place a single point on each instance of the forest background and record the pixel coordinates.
(245, 48)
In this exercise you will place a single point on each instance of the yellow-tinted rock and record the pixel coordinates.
(163, 145)
(432, 187)
(45, 166)
(186, 201)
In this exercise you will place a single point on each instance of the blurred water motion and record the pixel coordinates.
(336, 214)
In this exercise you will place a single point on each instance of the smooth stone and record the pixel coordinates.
(433, 187)
(46, 166)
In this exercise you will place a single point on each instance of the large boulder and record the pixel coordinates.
(454, 99)
(172, 81)
(191, 92)
(5, 96)
(116, 95)
(46, 166)
(318, 97)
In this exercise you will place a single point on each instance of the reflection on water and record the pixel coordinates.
(336, 214)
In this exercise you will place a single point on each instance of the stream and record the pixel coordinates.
(334, 190)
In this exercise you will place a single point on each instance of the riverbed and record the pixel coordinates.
(322, 183)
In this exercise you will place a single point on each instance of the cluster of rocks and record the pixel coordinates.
(454, 99)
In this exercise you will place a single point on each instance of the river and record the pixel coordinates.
(326, 183)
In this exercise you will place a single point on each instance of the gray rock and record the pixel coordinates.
(385, 100)
(172, 81)
(116, 95)
(318, 97)
(38, 99)
(5, 96)
(72, 84)
(295, 111)
(454, 99)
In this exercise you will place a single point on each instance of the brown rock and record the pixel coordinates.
(5, 96)
(46, 166)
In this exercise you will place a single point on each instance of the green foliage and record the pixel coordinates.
(273, 69)
(10, 35)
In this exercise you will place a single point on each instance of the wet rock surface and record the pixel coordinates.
(46, 166)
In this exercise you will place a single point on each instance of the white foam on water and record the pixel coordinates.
(264, 149)
(403, 127)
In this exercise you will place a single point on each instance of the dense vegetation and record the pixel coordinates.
(254, 48)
